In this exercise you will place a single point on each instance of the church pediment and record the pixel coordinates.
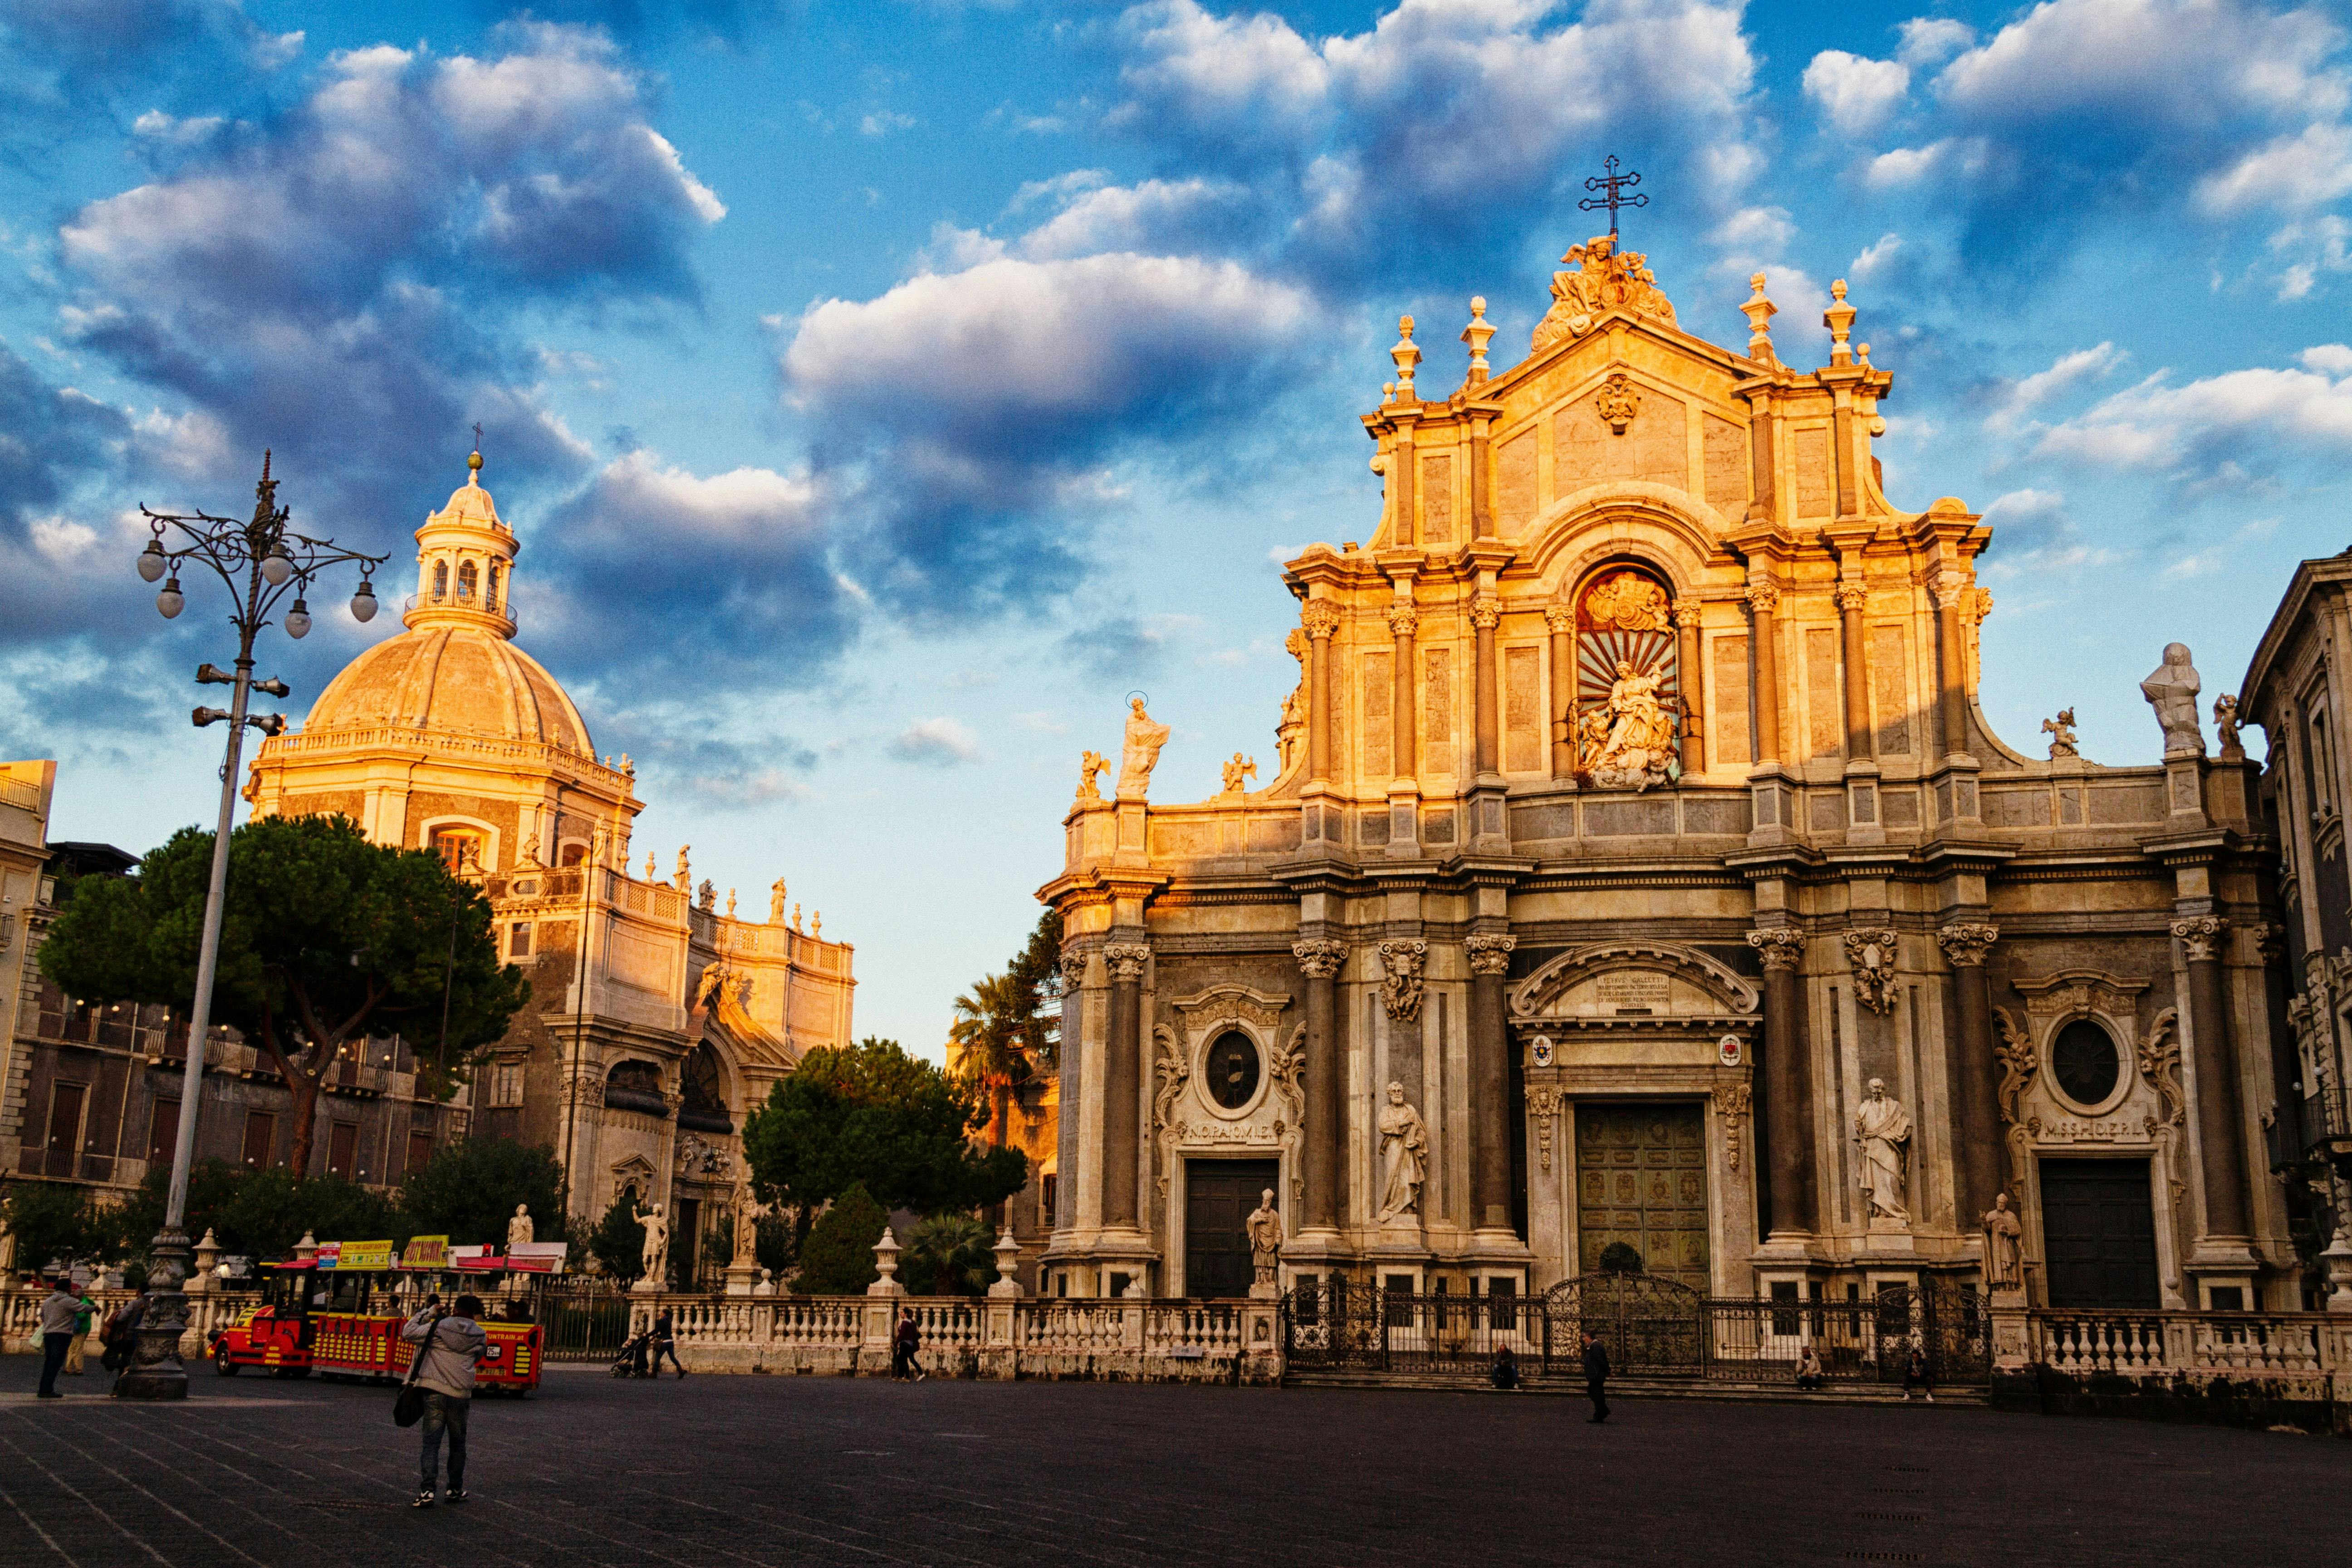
(1649, 982)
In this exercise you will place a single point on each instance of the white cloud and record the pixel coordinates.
(882, 121)
(2291, 172)
(1927, 40)
(2214, 420)
(1155, 216)
(2068, 370)
(1858, 95)
(2327, 359)
(60, 540)
(2201, 564)
(936, 743)
(2324, 243)
(1876, 258)
(1751, 229)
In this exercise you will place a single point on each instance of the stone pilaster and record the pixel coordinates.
(1975, 1070)
(1319, 962)
(1490, 1130)
(1122, 1084)
(1561, 621)
(2220, 1144)
(1694, 684)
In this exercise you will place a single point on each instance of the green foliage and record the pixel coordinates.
(873, 1116)
(325, 937)
(1008, 1026)
(618, 1242)
(948, 1254)
(776, 1246)
(271, 1211)
(1619, 1258)
(210, 1185)
(469, 1190)
(837, 1258)
(56, 1222)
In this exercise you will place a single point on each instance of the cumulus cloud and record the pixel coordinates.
(2290, 174)
(936, 743)
(1858, 95)
(2243, 421)
(2016, 400)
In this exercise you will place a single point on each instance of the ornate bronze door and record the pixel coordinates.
(1641, 1175)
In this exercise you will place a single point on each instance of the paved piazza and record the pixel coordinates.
(725, 1470)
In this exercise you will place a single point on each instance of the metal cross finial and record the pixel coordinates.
(478, 436)
(1613, 184)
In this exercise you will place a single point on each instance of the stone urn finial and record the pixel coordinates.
(1008, 1258)
(307, 1248)
(886, 1263)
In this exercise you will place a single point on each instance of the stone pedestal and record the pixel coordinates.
(647, 1285)
(2337, 1261)
(155, 1371)
(741, 1276)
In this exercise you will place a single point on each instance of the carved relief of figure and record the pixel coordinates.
(1089, 764)
(1404, 1156)
(2171, 689)
(2061, 731)
(1871, 955)
(1265, 1224)
(2225, 725)
(519, 1230)
(1605, 278)
(1883, 1128)
(1142, 752)
(2003, 1239)
(655, 1257)
(1237, 771)
(1628, 601)
(1638, 750)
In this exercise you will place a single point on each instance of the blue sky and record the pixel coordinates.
(880, 392)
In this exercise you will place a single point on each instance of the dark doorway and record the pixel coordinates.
(1218, 1198)
(685, 1242)
(2098, 1231)
(65, 1129)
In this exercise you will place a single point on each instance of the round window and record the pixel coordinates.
(2083, 1058)
(1232, 1068)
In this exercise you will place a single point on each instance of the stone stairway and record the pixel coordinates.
(1725, 1390)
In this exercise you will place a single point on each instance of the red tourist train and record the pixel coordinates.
(330, 1316)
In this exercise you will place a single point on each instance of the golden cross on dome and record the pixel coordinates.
(1613, 185)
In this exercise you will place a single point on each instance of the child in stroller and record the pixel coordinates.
(634, 1355)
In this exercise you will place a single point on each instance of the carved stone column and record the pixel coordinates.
(2220, 1111)
(1404, 622)
(1763, 600)
(1319, 962)
(1853, 599)
(1321, 618)
(1954, 688)
(1787, 1117)
(1073, 1035)
(1561, 621)
(1122, 1084)
(1689, 655)
(1485, 614)
(1490, 1126)
(1974, 1069)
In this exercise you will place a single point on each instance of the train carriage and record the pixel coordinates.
(344, 1322)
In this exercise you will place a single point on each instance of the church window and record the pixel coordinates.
(519, 939)
(440, 579)
(1048, 1193)
(574, 854)
(460, 849)
(1232, 1069)
(636, 1085)
(506, 1084)
(702, 1093)
(498, 580)
(466, 579)
(2322, 768)
(2082, 1060)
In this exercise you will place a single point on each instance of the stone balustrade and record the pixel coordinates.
(20, 1316)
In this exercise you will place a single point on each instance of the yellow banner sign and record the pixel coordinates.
(426, 1252)
(363, 1254)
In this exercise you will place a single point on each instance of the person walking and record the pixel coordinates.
(121, 1336)
(1596, 1374)
(664, 1344)
(85, 1313)
(905, 1341)
(1916, 1376)
(448, 1343)
(58, 1308)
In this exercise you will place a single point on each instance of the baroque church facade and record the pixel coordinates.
(658, 1018)
(1641, 872)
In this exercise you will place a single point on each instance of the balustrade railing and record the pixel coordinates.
(2156, 1343)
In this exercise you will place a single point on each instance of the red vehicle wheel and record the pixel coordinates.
(221, 1363)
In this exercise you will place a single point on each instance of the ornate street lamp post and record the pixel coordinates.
(259, 561)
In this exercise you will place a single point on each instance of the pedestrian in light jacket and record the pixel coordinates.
(58, 1308)
(1596, 1375)
(448, 1343)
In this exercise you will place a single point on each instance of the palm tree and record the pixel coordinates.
(991, 1044)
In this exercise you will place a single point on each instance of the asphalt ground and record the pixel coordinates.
(712, 1471)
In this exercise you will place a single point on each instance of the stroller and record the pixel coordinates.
(635, 1357)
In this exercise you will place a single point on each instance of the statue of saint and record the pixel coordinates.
(1636, 749)
(776, 903)
(1265, 1224)
(2003, 1239)
(1238, 771)
(2171, 689)
(1883, 1127)
(1404, 1156)
(520, 1229)
(747, 1222)
(655, 1256)
(1142, 752)
(684, 876)
(1089, 764)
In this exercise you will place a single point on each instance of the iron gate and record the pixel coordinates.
(582, 1317)
(1340, 1323)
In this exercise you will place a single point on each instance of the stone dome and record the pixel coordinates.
(452, 680)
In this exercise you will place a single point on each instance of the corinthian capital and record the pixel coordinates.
(1126, 960)
(1947, 588)
(1320, 960)
(1486, 612)
(1560, 618)
(1403, 620)
(1763, 598)
(2201, 935)
(1490, 954)
(1780, 947)
(1074, 972)
(1852, 596)
(1686, 612)
(1965, 946)
(1320, 617)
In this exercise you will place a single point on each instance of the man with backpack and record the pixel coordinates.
(448, 1343)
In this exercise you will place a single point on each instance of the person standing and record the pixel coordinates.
(85, 1313)
(664, 1344)
(1596, 1374)
(905, 1341)
(448, 1343)
(58, 1308)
